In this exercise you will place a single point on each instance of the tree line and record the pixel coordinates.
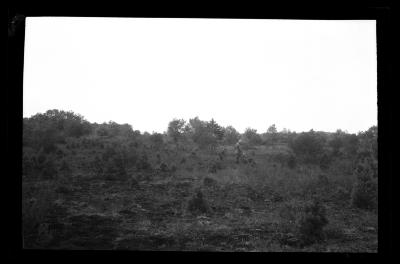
(46, 132)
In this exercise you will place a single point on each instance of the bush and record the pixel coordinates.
(324, 162)
(198, 205)
(341, 194)
(364, 193)
(312, 223)
(163, 167)
(209, 181)
(49, 170)
(214, 167)
(308, 146)
(143, 163)
(36, 205)
(292, 161)
(174, 168)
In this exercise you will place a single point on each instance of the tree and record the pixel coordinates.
(156, 140)
(176, 129)
(53, 127)
(251, 137)
(215, 129)
(113, 129)
(272, 129)
(231, 135)
(309, 146)
(336, 143)
(272, 135)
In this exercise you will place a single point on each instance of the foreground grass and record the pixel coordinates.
(251, 209)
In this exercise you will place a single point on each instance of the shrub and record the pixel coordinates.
(36, 205)
(308, 146)
(324, 162)
(364, 193)
(64, 167)
(164, 167)
(143, 163)
(174, 168)
(133, 182)
(292, 161)
(323, 179)
(198, 205)
(214, 167)
(207, 181)
(49, 170)
(312, 223)
(63, 189)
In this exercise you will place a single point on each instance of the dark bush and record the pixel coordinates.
(63, 189)
(133, 182)
(308, 146)
(198, 205)
(143, 163)
(164, 167)
(364, 193)
(323, 179)
(365, 190)
(312, 223)
(212, 168)
(207, 181)
(174, 168)
(64, 167)
(291, 162)
(324, 162)
(49, 170)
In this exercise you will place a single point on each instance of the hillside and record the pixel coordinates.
(108, 186)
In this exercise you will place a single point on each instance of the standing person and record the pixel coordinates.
(239, 152)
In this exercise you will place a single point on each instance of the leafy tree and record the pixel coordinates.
(337, 142)
(215, 129)
(350, 145)
(176, 129)
(156, 140)
(113, 129)
(369, 142)
(52, 127)
(309, 146)
(365, 190)
(231, 135)
(272, 129)
(312, 222)
(204, 134)
(251, 137)
(271, 136)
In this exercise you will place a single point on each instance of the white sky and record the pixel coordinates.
(298, 74)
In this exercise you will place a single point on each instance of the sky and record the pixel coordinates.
(297, 74)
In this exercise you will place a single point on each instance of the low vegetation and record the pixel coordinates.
(194, 187)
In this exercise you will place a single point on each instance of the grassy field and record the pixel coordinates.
(231, 207)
